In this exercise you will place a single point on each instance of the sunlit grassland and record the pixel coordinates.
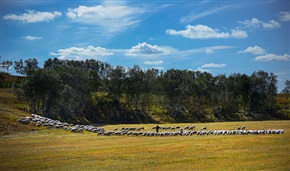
(62, 150)
(54, 149)
(12, 109)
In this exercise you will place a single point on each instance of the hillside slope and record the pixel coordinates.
(12, 109)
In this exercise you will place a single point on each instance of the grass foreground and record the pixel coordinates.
(27, 147)
(62, 150)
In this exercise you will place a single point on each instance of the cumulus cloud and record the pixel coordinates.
(145, 49)
(153, 62)
(254, 50)
(205, 32)
(32, 16)
(256, 23)
(198, 32)
(31, 38)
(273, 57)
(239, 34)
(111, 17)
(75, 53)
(271, 25)
(284, 16)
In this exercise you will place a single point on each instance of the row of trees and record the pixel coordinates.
(96, 90)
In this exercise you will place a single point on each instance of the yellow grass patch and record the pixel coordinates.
(62, 150)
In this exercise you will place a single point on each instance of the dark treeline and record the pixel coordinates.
(95, 91)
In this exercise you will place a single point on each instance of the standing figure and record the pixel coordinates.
(157, 128)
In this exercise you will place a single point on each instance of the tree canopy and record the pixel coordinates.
(96, 91)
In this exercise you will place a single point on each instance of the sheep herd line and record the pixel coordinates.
(139, 131)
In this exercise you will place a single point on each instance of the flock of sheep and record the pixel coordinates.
(139, 131)
(50, 123)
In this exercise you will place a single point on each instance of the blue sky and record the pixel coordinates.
(220, 37)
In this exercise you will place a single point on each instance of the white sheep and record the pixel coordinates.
(73, 129)
(191, 127)
(24, 120)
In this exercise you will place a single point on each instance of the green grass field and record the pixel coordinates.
(62, 150)
(26, 147)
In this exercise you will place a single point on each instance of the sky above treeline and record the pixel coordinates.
(220, 37)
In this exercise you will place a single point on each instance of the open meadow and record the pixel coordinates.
(62, 150)
(145, 85)
(27, 147)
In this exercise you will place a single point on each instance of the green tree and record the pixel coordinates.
(40, 91)
(263, 91)
(149, 86)
(134, 85)
(31, 65)
(27, 68)
(218, 94)
(175, 85)
(201, 88)
(116, 82)
(53, 63)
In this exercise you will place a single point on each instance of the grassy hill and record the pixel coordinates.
(6, 80)
(27, 147)
(12, 109)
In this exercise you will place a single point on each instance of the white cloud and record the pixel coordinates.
(284, 16)
(205, 32)
(153, 62)
(273, 57)
(255, 23)
(152, 51)
(213, 65)
(145, 49)
(112, 17)
(75, 53)
(32, 16)
(271, 25)
(198, 32)
(31, 38)
(254, 50)
(239, 34)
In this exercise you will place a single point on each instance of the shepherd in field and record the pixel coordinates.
(157, 128)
